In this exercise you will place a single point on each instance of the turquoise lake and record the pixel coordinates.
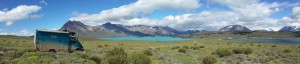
(149, 38)
(268, 40)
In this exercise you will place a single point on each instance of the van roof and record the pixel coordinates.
(52, 31)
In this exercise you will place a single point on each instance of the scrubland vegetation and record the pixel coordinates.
(210, 50)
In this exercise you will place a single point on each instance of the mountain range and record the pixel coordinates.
(290, 29)
(232, 28)
(117, 30)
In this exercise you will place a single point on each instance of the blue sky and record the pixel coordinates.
(188, 14)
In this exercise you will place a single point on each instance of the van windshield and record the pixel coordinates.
(73, 40)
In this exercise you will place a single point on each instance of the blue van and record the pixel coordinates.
(54, 41)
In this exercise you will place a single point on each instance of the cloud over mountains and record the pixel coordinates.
(252, 13)
(127, 12)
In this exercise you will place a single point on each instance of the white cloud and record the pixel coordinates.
(22, 32)
(18, 13)
(208, 20)
(35, 16)
(254, 14)
(294, 18)
(141, 7)
(43, 2)
(250, 13)
(251, 10)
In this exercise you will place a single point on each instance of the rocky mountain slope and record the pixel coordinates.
(117, 30)
(232, 28)
(290, 29)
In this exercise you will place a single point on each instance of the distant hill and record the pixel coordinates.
(232, 28)
(290, 29)
(153, 30)
(116, 30)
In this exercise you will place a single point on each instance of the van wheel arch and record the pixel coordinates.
(52, 50)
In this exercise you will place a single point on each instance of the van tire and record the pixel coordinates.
(79, 49)
(52, 50)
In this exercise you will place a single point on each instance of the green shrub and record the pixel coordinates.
(13, 54)
(242, 51)
(209, 60)
(116, 59)
(202, 46)
(95, 58)
(195, 44)
(195, 47)
(99, 46)
(238, 51)
(273, 46)
(4, 61)
(287, 51)
(83, 55)
(157, 48)
(186, 47)
(148, 52)
(175, 47)
(106, 45)
(298, 46)
(229, 43)
(258, 45)
(116, 56)
(138, 58)
(183, 50)
(247, 51)
(117, 51)
(252, 44)
(223, 52)
(36, 58)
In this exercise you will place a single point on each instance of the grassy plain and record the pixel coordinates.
(208, 49)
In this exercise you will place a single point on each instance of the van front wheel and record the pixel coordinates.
(52, 50)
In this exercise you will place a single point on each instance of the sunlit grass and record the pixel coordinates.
(21, 50)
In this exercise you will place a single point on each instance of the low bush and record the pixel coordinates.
(182, 50)
(36, 58)
(186, 47)
(116, 59)
(195, 47)
(116, 56)
(106, 45)
(117, 51)
(223, 52)
(242, 51)
(273, 46)
(209, 60)
(252, 44)
(138, 58)
(175, 47)
(148, 52)
(13, 54)
(99, 46)
(202, 46)
(238, 51)
(4, 61)
(195, 44)
(247, 51)
(83, 55)
(287, 51)
(95, 58)
(258, 45)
